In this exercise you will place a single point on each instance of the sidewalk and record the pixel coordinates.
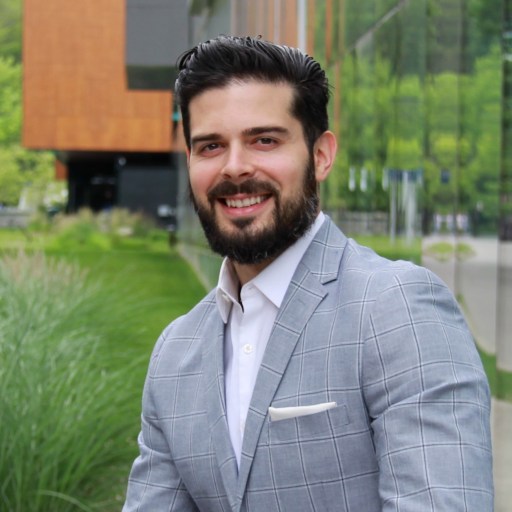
(501, 421)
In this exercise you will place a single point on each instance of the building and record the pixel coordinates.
(114, 145)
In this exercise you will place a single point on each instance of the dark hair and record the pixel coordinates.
(216, 63)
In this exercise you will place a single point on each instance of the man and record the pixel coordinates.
(317, 376)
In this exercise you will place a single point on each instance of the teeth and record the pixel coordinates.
(242, 203)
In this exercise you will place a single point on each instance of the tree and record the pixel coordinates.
(19, 167)
(10, 29)
(10, 101)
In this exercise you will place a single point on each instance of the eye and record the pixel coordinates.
(209, 148)
(266, 142)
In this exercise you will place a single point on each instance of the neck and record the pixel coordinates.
(246, 272)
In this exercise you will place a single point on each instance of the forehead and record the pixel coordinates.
(251, 103)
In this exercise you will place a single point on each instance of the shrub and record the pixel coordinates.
(122, 222)
(117, 228)
(64, 405)
(78, 231)
(445, 251)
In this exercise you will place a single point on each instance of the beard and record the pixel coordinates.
(290, 220)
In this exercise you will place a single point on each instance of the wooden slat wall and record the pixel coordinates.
(261, 20)
(75, 92)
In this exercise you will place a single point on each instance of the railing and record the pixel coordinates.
(14, 218)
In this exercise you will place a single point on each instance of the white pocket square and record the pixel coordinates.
(283, 413)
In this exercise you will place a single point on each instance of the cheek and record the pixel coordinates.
(200, 181)
(291, 177)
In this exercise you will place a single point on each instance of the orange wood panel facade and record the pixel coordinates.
(75, 90)
(276, 20)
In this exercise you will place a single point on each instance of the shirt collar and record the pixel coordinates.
(272, 281)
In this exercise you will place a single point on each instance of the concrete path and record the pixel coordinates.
(502, 451)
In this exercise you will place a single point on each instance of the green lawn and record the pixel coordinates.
(158, 284)
(399, 249)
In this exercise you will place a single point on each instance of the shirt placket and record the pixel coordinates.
(246, 354)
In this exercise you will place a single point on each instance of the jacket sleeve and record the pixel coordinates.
(428, 399)
(154, 483)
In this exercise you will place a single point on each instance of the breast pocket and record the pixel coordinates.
(306, 450)
(308, 428)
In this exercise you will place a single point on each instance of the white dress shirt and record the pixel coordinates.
(249, 317)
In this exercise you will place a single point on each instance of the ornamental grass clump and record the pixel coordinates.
(64, 417)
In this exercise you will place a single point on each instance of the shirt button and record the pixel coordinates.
(248, 348)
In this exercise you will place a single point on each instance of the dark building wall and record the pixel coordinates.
(157, 32)
(140, 182)
(150, 187)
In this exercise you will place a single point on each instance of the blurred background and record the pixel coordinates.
(92, 158)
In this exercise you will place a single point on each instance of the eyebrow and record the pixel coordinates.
(258, 130)
(207, 137)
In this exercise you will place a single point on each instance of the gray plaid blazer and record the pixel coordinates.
(384, 340)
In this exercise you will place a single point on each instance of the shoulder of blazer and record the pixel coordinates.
(191, 323)
(202, 311)
(333, 256)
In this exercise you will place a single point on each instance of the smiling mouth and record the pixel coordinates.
(244, 203)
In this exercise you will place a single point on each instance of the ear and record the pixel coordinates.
(187, 152)
(324, 153)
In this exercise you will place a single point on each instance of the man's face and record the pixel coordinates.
(252, 177)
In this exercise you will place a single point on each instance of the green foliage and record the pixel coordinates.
(444, 251)
(66, 398)
(10, 29)
(19, 168)
(74, 346)
(362, 15)
(393, 250)
(118, 228)
(80, 231)
(403, 153)
(406, 104)
(10, 101)
(22, 169)
(11, 181)
(487, 17)
(123, 222)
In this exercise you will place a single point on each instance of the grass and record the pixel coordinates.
(55, 424)
(154, 286)
(444, 251)
(77, 328)
(400, 249)
(500, 381)
(145, 290)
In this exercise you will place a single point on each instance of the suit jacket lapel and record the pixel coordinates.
(213, 366)
(319, 265)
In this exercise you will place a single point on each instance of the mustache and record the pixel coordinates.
(250, 186)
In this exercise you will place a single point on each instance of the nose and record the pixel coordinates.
(237, 164)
